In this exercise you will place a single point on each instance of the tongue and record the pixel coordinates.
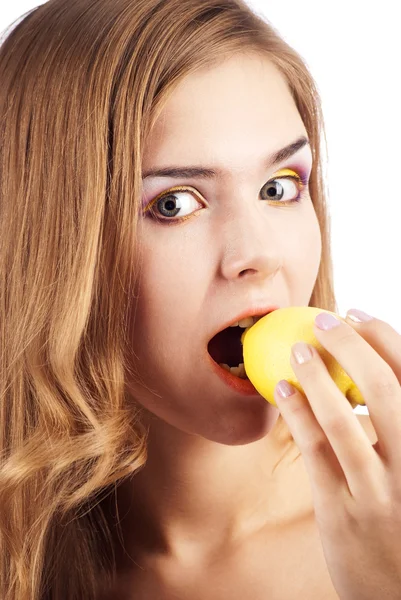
(226, 347)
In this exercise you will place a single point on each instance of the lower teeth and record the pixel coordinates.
(238, 371)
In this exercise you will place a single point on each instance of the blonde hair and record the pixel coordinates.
(82, 84)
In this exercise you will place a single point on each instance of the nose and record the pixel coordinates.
(251, 244)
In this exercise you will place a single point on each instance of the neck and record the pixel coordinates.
(194, 495)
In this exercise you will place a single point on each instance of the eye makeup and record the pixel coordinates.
(298, 174)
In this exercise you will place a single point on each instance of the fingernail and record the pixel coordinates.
(301, 352)
(326, 321)
(285, 389)
(358, 316)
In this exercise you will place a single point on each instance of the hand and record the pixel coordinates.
(356, 486)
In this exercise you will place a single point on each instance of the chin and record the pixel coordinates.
(232, 423)
(246, 429)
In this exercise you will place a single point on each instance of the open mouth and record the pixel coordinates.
(226, 348)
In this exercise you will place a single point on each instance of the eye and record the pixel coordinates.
(283, 190)
(182, 200)
(177, 200)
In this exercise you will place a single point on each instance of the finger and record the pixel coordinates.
(325, 473)
(381, 336)
(352, 447)
(375, 379)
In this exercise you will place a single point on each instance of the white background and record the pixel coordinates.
(353, 51)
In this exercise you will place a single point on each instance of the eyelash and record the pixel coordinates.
(301, 179)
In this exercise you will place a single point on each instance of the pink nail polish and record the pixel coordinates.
(327, 321)
(358, 316)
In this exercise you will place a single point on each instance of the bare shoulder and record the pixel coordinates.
(367, 424)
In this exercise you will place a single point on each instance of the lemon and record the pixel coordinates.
(267, 349)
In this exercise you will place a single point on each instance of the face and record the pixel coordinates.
(221, 245)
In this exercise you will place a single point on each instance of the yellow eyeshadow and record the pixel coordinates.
(184, 188)
(285, 172)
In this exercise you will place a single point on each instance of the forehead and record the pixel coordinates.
(242, 103)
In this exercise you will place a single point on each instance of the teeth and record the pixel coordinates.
(238, 371)
(247, 322)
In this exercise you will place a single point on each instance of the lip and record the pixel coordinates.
(253, 312)
(242, 386)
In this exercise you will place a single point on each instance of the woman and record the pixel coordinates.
(130, 468)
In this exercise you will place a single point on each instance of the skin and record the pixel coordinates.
(210, 482)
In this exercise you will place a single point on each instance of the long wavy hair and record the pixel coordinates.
(82, 84)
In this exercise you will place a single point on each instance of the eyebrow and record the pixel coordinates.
(210, 173)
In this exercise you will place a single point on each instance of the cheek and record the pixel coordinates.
(175, 272)
(168, 296)
(304, 252)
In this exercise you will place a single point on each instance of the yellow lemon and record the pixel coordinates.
(267, 350)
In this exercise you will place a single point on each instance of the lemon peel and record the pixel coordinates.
(267, 350)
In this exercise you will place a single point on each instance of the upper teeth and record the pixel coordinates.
(247, 322)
